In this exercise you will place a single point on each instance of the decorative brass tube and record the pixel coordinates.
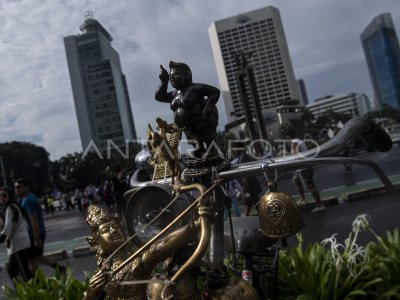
(205, 216)
(185, 188)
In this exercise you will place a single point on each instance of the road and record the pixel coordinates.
(329, 176)
(67, 230)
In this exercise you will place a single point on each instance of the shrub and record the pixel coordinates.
(59, 286)
(331, 270)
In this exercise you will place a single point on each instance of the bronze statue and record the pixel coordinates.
(163, 146)
(193, 105)
(107, 235)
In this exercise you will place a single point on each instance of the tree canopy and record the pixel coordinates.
(24, 159)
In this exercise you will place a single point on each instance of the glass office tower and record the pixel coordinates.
(382, 52)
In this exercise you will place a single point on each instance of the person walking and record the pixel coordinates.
(296, 146)
(50, 203)
(235, 192)
(251, 185)
(78, 199)
(37, 230)
(68, 201)
(120, 186)
(90, 192)
(15, 234)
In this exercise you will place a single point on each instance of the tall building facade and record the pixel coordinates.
(99, 88)
(259, 32)
(354, 104)
(303, 92)
(382, 52)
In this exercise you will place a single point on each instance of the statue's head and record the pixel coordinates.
(107, 233)
(179, 74)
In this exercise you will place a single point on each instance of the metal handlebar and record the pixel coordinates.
(356, 127)
(362, 126)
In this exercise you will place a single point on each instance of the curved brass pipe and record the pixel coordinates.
(185, 188)
(205, 233)
(194, 186)
(205, 216)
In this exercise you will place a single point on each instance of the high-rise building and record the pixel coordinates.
(99, 88)
(303, 92)
(260, 34)
(382, 51)
(354, 104)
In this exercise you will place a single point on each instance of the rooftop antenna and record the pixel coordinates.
(88, 14)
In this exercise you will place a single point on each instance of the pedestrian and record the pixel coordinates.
(50, 203)
(120, 186)
(251, 185)
(78, 199)
(37, 230)
(15, 234)
(235, 192)
(106, 194)
(45, 204)
(90, 192)
(68, 201)
(85, 203)
(306, 175)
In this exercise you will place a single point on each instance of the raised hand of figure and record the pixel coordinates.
(164, 77)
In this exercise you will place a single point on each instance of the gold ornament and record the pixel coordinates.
(279, 215)
(163, 146)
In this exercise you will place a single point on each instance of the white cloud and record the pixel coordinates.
(36, 97)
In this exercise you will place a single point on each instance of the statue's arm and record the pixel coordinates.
(209, 91)
(212, 95)
(162, 93)
(177, 239)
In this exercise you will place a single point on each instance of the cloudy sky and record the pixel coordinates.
(35, 90)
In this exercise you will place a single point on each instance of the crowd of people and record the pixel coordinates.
(22, 226)
(109, 193)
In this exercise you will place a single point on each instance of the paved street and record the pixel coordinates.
(67, 230)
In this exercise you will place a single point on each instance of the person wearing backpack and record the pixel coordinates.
(15, 235)
(37, 230)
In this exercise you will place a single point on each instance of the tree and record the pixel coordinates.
(24, 159)
(79, 169)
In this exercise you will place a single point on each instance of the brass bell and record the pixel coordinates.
(279, 215)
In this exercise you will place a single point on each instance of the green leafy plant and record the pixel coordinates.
(386, 263)
(331, 270)
(59, 286)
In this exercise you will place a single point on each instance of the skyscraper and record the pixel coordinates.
(99, 88)
(303, 92)
(261, 33)
(382, 51)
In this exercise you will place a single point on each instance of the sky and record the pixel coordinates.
(35, 91)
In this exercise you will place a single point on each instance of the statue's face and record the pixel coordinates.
(110, 236)
(177, 77)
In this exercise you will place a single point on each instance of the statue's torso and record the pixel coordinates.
(187, 107)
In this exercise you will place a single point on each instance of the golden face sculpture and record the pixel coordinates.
(110, 235)
(107, 233)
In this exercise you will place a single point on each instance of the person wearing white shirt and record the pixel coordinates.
(15, 234)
